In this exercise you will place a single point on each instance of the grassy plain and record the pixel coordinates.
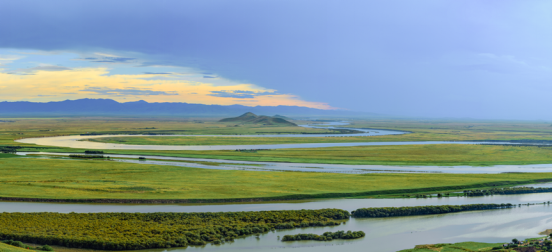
(9, 248)
(391, 155)
(91, 179)
(432, 154)
(44, 127)
(421, 130)
(455, 247)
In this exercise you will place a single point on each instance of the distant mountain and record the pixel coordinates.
(110, 107)
(251, 118)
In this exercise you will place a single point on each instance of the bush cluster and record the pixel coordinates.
(422, 210)
(126, 231)
(327, 236)
(507, 190)
(21, 245)
(85, 156)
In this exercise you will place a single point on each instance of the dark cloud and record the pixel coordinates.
(125, 92)
(207, 76)
(239, 94)
(111, 60)
(68, 93)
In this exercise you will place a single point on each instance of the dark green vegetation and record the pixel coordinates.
(105, 181)
(327, 236)
(485, 192)
(93, 152)
(5, 155)
(21, 245)
(251, 118)
(503, 191)
(126, 231)
(378, 212)
(85, 156)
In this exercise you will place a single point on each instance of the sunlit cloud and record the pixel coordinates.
(124, 77)
(240, 93)
(78, 83)
(125, 92)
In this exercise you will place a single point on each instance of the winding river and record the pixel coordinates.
(76, 141)
(382, 234)
(221, 164)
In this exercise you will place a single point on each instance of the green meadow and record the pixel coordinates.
(457, 247)
(447, 155)
(421, 130)
(432, 154)
(91, 179)
(9, 248)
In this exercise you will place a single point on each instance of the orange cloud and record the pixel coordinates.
(77, 83)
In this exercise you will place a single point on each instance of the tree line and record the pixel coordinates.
(378, 212)
(508, 190)
(85, 156)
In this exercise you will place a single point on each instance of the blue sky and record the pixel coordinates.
(458, 59)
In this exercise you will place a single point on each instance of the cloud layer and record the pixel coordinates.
(464, 59)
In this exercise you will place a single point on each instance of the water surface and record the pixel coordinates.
(223, 164)
(382, 234)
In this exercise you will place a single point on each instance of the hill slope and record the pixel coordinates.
(251, 118)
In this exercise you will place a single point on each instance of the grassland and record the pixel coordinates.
(455, 247)
(421, 130)
(9, 248)
(432, 154)
(44, 127)
(87, 179)
(384, 155)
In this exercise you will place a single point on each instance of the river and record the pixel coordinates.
(382, 234)
(76, 141)
(222, 164)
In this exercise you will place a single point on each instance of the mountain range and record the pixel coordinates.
(108, 107)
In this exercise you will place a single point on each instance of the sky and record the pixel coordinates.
(434, 59)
